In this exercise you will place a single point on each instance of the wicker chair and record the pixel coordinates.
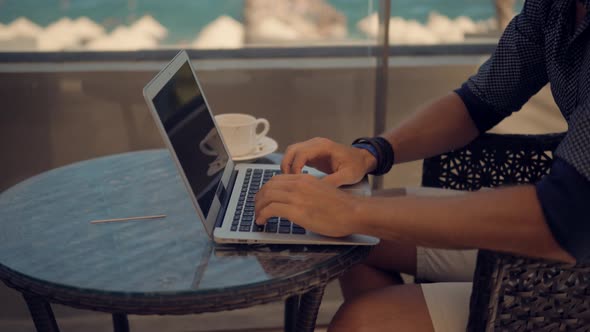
(514, 293)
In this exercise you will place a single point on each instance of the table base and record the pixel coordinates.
(120, 323)
(301, 312)
(41, 313)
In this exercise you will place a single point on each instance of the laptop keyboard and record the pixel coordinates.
(244, 219)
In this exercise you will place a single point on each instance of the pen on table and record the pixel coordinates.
(100, 221)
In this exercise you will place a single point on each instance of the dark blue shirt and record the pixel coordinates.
(543, 45)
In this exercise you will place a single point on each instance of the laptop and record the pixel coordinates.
(222, 191)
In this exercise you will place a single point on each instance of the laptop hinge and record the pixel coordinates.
(223, 195)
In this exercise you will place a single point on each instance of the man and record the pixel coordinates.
(546, 42)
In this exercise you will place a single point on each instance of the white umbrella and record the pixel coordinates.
(271, 29)
(6, 34)
(24, 28)
(444, 28)
(150, 26)
(58, 36)
(87, 29)
(223, 32)
(490, 24)
(11, 41)
(123, 39)
(416, 33)
(56, 41)
(369, 25)
(401, 31)
(63, 24)
(466, 24)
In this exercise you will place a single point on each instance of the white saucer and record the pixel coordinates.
(266, 146)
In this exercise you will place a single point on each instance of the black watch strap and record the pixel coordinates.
(385, 154)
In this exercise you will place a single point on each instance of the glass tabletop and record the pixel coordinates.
(46, 233)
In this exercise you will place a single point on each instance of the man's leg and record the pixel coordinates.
(381, 269)
(376, 300)
(440, 307)
(393, 308)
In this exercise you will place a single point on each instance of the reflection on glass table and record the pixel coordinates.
(52, 254)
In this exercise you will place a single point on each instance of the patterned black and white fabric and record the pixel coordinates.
(544, 45)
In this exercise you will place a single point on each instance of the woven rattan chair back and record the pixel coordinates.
(514, 293)
(492, 160)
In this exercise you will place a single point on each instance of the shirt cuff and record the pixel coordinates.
(482, 114)
(563, 195)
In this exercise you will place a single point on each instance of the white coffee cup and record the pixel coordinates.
(240, 132)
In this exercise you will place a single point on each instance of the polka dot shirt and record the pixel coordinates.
(541, 45)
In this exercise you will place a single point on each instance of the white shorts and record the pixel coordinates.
(448, 298)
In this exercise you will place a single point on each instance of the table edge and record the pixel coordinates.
(161, 303)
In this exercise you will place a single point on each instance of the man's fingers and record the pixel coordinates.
(275, 209)
(286, 178)
(299, 161)
(288, 159)
(273, 195)
(297, 155)
(280, 192)
(295, 158)
(278, 189)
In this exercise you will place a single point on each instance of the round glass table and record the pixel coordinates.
(51, 252)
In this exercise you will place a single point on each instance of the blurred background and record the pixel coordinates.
(72, 74)
(100, 25)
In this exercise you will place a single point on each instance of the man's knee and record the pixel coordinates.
(394, 257)
(353, 316)
(400, 308)
(380, 269)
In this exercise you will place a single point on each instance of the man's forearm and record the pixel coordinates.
(439, 127)
(509, 220)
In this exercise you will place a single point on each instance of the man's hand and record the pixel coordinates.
(343, 164)
(308, 202)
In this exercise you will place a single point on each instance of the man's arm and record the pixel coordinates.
(508, 220)
(441, 126)
(515, 71)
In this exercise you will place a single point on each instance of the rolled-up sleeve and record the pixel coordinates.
(564, 195)
(515, 71)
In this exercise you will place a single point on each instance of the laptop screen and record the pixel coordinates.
(191, 130)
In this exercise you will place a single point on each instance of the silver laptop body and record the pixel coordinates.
(214, 182)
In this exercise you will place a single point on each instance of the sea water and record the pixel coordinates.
(185, 18)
